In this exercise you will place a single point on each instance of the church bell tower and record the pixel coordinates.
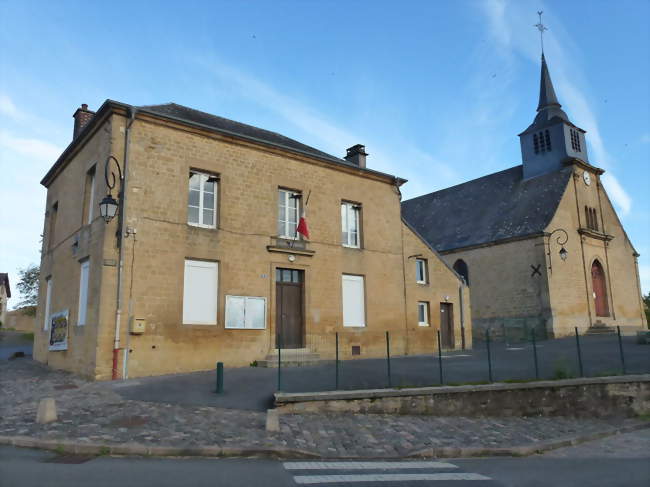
(551, 139)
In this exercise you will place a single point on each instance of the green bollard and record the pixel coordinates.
(219, 378)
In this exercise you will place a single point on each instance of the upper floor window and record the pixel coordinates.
(460, 266)
(421, 271)
(575, 140)
(288, 213)
(89, 196)
(350, 227)
(202, 203)
(51, 239)
(592, 218)
(83, 292)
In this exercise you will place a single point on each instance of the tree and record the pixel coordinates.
(28, 285)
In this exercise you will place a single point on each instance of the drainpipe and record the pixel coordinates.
(121, 234)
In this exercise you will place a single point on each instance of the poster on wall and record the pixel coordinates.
(59, 331)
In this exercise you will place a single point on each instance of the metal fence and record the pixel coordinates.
(340, 361)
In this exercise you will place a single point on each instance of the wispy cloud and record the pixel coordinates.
(36, 148)
(314, 126)
(510, 26)
(8, 108)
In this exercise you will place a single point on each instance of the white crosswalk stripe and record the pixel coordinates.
(336, 472)
(364, 465)
(391, 477)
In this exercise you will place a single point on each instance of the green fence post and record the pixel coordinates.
(620, 348)
(439, 357)
(535, 355)
(279, 363)
(219, 378)
(489, 355)
(582, 373)
(388, 359)
(337, 360)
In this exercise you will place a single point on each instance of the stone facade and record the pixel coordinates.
(20, 320)
(161, 155)
(510, 298)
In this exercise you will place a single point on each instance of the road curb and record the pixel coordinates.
(523, 450)
(215, 451)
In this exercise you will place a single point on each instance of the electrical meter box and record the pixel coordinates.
(138, 326)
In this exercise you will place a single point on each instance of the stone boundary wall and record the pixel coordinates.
(617, 396)
(20, 321)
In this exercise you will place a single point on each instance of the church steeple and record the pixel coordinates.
(547, 95)
(551, 139)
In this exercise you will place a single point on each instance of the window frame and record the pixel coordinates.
(203, 264)
(425, 271)
(427, 314)
(283, 200)
(350, 208)
(246, 299)
(354, 277)
(89, 195)
(82, 310)
(204, 178)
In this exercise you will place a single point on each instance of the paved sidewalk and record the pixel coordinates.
(94, 413)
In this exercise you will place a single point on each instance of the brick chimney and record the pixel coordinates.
(357, 155)
(81, 117)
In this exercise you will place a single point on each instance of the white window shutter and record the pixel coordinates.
(354, 309)
(200, 293)
(83, 293)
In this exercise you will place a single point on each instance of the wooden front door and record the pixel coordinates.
(447, 325)
(289, 324)
(599, 289)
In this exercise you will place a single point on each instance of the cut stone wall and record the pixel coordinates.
(625, 396)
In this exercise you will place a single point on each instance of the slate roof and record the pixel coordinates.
(187, 114)
(488, 209)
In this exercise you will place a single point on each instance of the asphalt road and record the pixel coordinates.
(612, 462)
(253, 387)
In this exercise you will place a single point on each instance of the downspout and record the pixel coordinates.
(121, 233)
(404, 264)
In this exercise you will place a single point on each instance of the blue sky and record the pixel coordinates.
(436, 90)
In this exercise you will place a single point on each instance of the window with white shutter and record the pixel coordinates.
(245, 312)
(83, 292)
(354, 306)
(202, 202)
(200, 292)
(48, 303)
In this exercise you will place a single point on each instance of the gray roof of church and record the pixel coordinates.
(181, 112)
(489, 209)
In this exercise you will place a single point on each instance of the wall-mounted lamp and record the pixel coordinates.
(561, 240)
(109, 205)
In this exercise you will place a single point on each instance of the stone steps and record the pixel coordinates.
(600, 330)
(291, 357)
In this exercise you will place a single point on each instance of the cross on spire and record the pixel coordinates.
(541, 27)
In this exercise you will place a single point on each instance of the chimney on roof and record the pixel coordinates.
(357, 155)
(81, 118)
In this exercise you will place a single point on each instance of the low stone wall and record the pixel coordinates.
(618, 396)
(20, 321)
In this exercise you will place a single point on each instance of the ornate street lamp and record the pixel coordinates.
(108, 206)
(561, 240)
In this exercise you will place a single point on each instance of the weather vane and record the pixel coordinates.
(541, 27)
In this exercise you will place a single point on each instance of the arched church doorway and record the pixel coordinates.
(461, 268)
(599, 289)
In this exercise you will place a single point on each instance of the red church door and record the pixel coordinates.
(599, 288)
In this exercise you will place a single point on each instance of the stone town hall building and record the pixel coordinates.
(503, 232)
(208, 266)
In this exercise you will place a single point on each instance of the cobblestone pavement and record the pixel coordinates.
(94, 412)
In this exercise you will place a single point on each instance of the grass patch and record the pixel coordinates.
(59, 450)
(104, 450)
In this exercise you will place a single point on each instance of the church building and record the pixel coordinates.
(539, 244)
